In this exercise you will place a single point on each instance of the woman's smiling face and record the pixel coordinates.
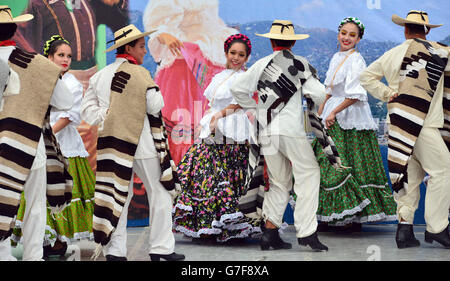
(348, 36)
(236, 56)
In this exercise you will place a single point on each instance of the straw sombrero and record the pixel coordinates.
(283, 30)
(126, 35)
(6, 16)
(414, 17)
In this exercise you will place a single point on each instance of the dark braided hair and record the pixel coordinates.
(241, 38)
(52, 44)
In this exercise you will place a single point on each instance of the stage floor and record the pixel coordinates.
(374, 242)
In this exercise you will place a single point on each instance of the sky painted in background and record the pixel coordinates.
(375, 14)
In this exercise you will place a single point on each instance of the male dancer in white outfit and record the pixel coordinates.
(146, 164)
(286, 144)
(35, 217)
(430, 153)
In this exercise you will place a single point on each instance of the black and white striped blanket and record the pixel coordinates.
(23, 119)
(281, 79)
(422, 68)
(117, 144)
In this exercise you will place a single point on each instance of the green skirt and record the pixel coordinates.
(358, 194)
(75, 221)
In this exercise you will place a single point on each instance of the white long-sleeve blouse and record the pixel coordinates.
(346, 84)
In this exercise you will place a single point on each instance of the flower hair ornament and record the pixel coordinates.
(238, 37)
(355, 21)
(52, 39)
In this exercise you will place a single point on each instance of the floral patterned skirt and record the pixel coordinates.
(358, 194)
(212, 178)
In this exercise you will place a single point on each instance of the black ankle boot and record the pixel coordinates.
(443, 238)
(405, 236)
(271, 238)
(115, 258)
(312, 241)
(58, 249)
(170, 257)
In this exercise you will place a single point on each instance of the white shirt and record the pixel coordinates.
(70, 141)
(96, 102)
(61, 99)
(346, 85)
(236, 125)
(289, 121)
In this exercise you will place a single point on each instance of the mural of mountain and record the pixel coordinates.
(318, 49)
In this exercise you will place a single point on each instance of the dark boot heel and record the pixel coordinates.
(171, 257)
(428, 239)
(313, 242)
(271, 238)
(405, 237)
(155, 257)
(264, 246)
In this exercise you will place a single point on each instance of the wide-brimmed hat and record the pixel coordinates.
(414, 17)
(283, 30)
(7, 17)
(126, 35)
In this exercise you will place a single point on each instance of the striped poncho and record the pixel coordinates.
(23, 119)
(281, 79)
(422, 68)
(117, 144)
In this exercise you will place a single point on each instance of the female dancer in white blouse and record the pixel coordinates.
(75, 222)
(212, 172)
(360, 194)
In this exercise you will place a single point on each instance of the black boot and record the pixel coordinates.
(312, 241)
(405, 236)
(58, 249)
(443, 238)
(271, 238)
(115, 258)
(171, 257)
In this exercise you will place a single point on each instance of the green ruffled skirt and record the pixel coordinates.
(75, 221)
(358, 194)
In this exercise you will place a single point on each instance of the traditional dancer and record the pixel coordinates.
(212, 172)
(30, 158)
(75, 222)
(349, 197)
(125, 103)
(77, 21)
(281, 80)
(417, 72)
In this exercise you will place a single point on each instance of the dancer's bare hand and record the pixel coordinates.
(213, 123)
(330, 120)
(393, 97)
(171, 42)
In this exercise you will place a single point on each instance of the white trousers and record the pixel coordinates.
(287, 156)
(161, 238)
(430, 156)
(34, 221)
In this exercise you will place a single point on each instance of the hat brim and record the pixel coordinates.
(284, 37)
(401, 21)
(128, 40)
(20, 19)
